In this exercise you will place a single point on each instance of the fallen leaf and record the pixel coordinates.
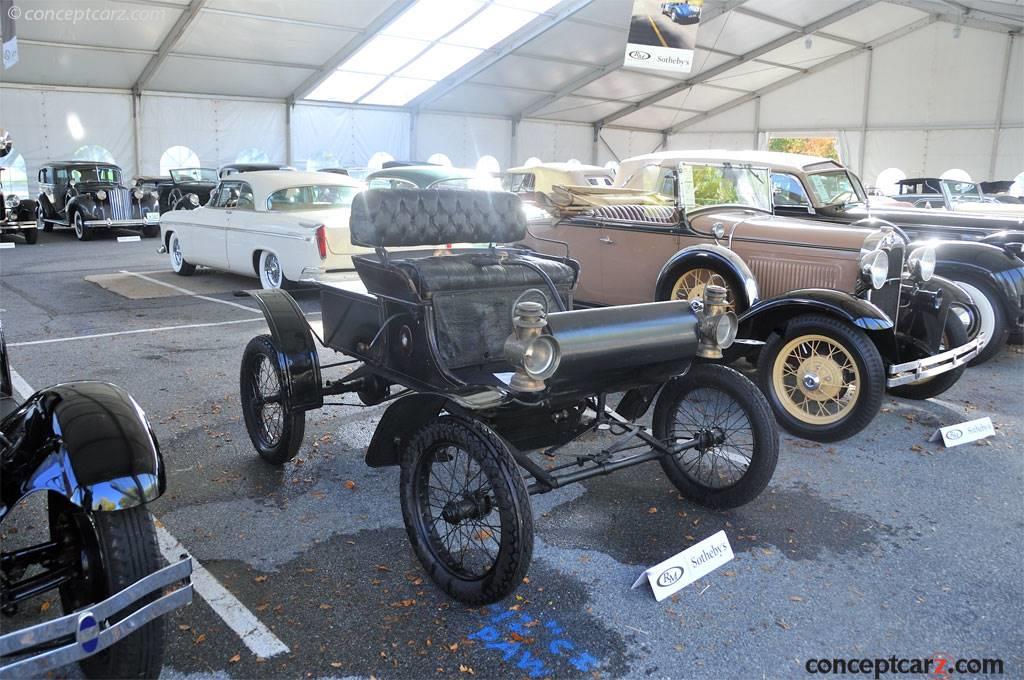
(44, 606)
(453, 647)
(235, 659)
(262, 607)
(402, 603)
(350, 485)
(796, 598)
(466, 669)
(260, 579)
(729, 573)
(652, 510)
(382, 567)
(199, 640)
(184, 626)
(326, 606)
(336, 664)
(783, 625)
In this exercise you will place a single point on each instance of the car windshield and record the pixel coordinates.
(98, 173)
(707, 185)
(313, 197)
(194, 175)
(963, 191)
(483, 182)
(831, 188)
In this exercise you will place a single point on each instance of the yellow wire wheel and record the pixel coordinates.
(816, 379)
(691, 284)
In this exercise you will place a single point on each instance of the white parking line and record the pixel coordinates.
(132, 332)
(256, 636)
(186, 291)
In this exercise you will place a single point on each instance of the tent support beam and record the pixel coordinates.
(167, 44)
(753, 54)
(999, 107)
(864, 114)
(817, 68)
(513, 147)
(288, 108)
(136, 131)
(757, 123)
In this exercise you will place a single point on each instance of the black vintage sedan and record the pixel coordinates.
(87, 196)
(182, 189)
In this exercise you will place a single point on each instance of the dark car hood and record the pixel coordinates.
(91, 187)
(195, 186)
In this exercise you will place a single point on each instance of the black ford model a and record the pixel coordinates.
(89, 447)
(489, 366)
(87, 195)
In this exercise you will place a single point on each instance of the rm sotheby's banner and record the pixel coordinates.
(662, 35)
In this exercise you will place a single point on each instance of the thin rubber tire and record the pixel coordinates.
(992, 313)
(501, 491)
(955, 336)
(277, 435)
(82, 232)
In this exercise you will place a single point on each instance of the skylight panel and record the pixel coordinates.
(397, 91)
(490, 27)
(538, 6)
(431, 19)
(439, 61)
(344, 86)
(384, 55)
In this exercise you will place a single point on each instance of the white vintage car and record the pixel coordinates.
(280, 226)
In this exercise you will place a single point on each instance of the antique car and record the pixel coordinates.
(280, 226)
(87, 196)
(182, 189)
(684, 13)
(17, 215)
(90, 449)
(832, 315)
(953, 194)
(489, 363)
(538, 183)
(235, 168)
(992, 271)
(399, 175)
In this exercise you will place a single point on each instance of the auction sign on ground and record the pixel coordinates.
(662, 35)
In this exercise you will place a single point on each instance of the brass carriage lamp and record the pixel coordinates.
(716, 323)
(534, 354)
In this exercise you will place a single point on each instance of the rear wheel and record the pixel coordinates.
(82, 232)
(275, 430)
(270, 271)
(740, 443)
(466, 510)
(955, 335)
(823, 378)
(992, 317)
(41, 222)
(114, 549)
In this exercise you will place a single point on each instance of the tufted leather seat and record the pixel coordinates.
(656, 214)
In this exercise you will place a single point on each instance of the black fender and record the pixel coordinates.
(758, 322)
(87, 441)
(399, 423)
(999, 266)
(83, 203)
(1006, 238)
(702, 255)
(25, 210)
(297, 355)
(46, 207)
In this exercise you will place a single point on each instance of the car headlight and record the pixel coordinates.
(193, 199)
(534, 354)
(875, 267)
(12, 200)
(101, 195)
(541, 357)
(922, 263)
(138, 194)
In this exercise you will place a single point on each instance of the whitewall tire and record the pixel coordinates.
(82, 232)
(991, 319)
(270, 271)
(179, 264)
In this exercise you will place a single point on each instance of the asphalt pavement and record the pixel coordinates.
(883, 545)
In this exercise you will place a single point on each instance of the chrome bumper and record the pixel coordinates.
(89, 628)
(119, 223)
(912, 371)
(14, 224)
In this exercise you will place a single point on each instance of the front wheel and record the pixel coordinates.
(179, 264)
(739, 441)
(274, 428)
(466, 509)
(992, 318)
(82, 232)
(31, 235)
(824, 378)
(954, 335)
(690, 283)
(114, 549)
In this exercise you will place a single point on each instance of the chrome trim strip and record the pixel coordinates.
(118, 223)
(20, 641)
(277, 234)
(937, 364)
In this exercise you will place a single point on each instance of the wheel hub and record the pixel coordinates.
(467, 507)
(820, 378)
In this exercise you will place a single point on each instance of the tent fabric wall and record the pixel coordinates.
(464, 139)
(554, 141)
(620, 144)
(325, 136)
(48, 125)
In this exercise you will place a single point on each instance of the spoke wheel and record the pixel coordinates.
(271, 274)
(690, 285)
(466, 509)
(82, 232)
(816, 379)
(738, 441)
(274, 428)
(179, 264)
(113, 549)
(824, 378)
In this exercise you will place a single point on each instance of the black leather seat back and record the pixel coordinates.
(425, 217)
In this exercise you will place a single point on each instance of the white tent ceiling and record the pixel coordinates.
(564, 64)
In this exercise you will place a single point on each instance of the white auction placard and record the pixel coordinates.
(128, 239)
(662, 35)
(684, 568)
(962, 433)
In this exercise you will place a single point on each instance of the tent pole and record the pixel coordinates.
(136, 111)
(999, 110)
(864, 116)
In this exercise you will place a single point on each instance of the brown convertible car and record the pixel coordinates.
(833, 314)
